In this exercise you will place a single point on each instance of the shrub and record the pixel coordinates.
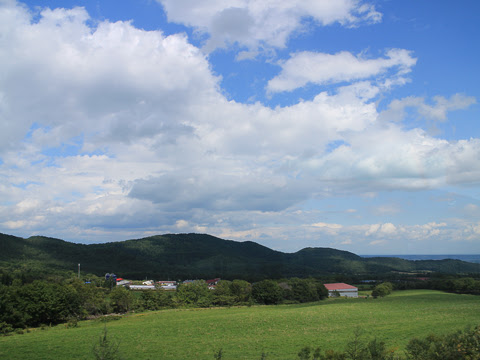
(71, 323)
(5, 329)
(460, 345)
(218, 355)
(357, 349)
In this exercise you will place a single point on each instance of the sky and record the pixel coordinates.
(351, 124)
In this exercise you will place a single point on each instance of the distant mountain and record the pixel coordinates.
(182, 256)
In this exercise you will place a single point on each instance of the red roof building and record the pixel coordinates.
(213, 281)
(341, 289)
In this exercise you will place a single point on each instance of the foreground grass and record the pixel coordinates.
(244, 333)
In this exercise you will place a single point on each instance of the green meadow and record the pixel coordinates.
(245, 332)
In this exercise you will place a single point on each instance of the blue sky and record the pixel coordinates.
(346, 124)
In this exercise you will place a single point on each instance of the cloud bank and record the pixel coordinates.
(110, 131)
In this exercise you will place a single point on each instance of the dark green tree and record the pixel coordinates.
(156, 300)
(382, 290)
(222, 295)
(304, 290)
(194, 293)
(242, 290)
(121, 299)
(45, 303)
(267, 292)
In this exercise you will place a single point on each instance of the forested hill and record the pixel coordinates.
(182, 256)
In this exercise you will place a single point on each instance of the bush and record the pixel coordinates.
(357, 349)
(5, 329)
(460, 345)
(71, 323)
(307, 353)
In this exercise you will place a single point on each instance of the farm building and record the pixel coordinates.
(167, 285)
(341, 289)
(122, 282)
(142, 287)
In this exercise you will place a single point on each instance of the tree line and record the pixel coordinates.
(453, 284)
(69, 299)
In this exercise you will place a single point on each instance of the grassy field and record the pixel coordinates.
(244, 333)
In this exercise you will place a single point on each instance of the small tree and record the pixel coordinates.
(355, 349)
(382, 290)
(105, 348)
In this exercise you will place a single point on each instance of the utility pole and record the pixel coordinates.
(79, 271)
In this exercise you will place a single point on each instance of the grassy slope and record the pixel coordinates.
(244, 333)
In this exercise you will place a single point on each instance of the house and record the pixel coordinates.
(213, 281)
(341, 289)
(212, 284)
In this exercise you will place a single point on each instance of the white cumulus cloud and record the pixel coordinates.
(254, 24)
(320, 68)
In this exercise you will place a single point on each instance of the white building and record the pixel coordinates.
(142, 287)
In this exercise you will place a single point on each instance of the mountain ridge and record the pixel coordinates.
(181, 256)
